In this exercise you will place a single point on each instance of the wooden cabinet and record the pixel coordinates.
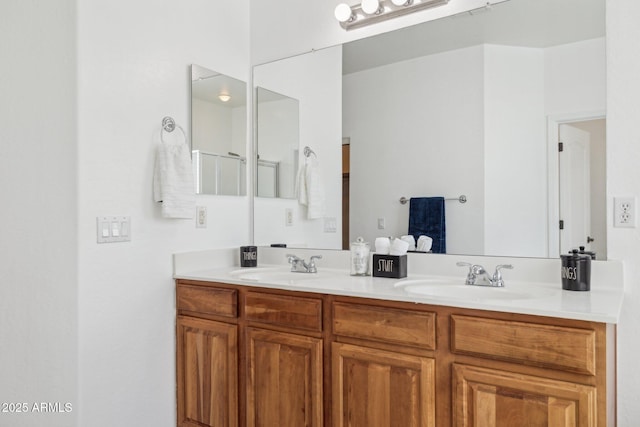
(253, 357)
(377, 388)
(284, 384)
(381, 381)
(494, 398)
(551, 378)
(207, 372)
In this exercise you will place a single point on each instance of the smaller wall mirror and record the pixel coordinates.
(218, 132)
(278, 138)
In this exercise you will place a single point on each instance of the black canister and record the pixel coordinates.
(248, 256)
(576, 271)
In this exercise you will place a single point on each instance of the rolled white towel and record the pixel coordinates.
(424, 243)
(398, 247)
(383, 245)
(411, 241)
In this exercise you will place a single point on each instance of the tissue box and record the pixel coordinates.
(391, 266)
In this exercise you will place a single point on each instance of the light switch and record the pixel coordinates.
(124, 228)
(115, 229)
(104, 229)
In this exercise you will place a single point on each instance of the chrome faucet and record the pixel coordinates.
(298, 265)
(478, 276)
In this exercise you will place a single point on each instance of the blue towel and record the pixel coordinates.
(426, 217)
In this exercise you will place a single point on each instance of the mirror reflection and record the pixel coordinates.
(218, 132)
(278, 144)
(475, 108)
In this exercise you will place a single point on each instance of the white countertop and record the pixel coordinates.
(533, 297)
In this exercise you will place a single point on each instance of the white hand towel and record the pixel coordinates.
(311, 189)
(173, 180)
(411, 241)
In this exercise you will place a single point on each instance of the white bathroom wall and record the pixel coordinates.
(38, 176)
(571, 68)
(133, 70)
(306, 25)
(404, 124)
(515, 147)
(316, 82)
(623, 179)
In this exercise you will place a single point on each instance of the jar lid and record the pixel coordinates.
(360, 242)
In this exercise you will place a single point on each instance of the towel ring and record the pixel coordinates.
(308, 152)
(169, 125)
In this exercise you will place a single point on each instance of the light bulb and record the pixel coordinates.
(343, 12)
(402, 2)
(370, 7)
(224, 97)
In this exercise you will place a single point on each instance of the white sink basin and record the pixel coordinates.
(278, 274)
(454, 290)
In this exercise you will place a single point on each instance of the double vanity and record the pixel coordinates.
(266, 346)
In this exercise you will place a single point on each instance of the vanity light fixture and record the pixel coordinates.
(224, 97)
(372, 11)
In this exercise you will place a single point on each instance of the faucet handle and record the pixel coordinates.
(313, 259)
(471, 275)
(497, 275)
(292, 258)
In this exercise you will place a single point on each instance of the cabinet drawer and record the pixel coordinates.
(555, 347)
(284, 310)
(412, 328)
(207, 300)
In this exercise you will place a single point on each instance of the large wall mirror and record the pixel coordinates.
(473, 104)
(218, 132)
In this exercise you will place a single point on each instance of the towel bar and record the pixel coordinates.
(461, 199)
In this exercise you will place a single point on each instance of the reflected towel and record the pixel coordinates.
(427, 217)
(311, 190)
(173, 180)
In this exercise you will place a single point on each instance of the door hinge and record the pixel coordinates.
(560, 147)
(561, 224)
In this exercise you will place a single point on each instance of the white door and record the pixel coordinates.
(575, 176)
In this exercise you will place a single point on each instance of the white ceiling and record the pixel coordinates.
(526, 23)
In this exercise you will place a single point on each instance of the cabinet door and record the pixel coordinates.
(207, 365)
(284, 380)
(490, 398)
(375, 388)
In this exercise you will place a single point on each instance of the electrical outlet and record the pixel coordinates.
(288, 217)
(624, 212)
(201, 217)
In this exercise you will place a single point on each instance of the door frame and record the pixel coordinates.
(553, 179)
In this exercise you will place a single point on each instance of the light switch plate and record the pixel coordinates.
(330, 224)
(112, 229)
